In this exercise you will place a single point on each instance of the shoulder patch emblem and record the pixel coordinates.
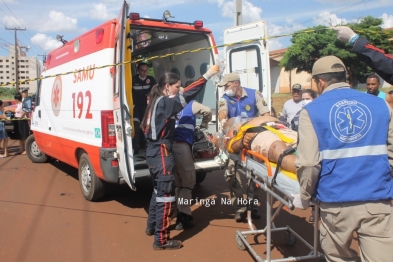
(247, 107)
(147, 81)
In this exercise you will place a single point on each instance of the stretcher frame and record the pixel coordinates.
(261, 174)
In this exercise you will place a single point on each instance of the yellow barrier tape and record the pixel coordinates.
(176, 54)
(14, 119)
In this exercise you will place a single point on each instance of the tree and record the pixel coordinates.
(315, 42)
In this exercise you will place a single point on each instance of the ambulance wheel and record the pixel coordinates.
(33, 152)
(91, 186)
(200, 176)
(240, 243)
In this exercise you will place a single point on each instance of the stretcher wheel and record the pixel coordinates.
(240, 243)
(290, 239)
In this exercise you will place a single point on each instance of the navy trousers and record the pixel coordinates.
(139, 112)
(160, 160)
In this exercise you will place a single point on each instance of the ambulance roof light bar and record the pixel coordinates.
(198, 24)
(135, 16)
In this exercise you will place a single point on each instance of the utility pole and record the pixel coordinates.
(238, 12)
(16, 57)
(43, 58)
(38, 66)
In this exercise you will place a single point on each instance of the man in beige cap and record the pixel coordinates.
(241, 102)
(344, 159)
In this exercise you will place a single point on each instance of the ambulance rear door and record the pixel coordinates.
(122, 99)
(246, 53)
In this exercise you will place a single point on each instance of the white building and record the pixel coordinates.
(28, 68)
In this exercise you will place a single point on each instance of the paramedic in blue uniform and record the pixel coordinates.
(165, 102)
(185, 169)
(141, 86)
(344, 158)
(243, 102)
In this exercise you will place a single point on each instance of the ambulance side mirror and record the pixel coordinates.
(26, 105)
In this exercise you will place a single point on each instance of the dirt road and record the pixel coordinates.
(44, 217)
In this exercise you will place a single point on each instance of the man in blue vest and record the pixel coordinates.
(242, 102)
(185, 169)
(344, 159)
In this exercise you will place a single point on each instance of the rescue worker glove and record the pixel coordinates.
(213, 70)
(222, 124)
(299, 202)
(344, 33)
(203, 126)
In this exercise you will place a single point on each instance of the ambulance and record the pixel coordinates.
(84, 109)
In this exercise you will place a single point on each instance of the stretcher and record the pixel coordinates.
(278, 184)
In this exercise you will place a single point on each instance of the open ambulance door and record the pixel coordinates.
(122, 112)
(249, 59)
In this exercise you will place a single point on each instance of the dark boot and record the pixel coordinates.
(255, 214)
(184, 221)
(171, 244)
(150, 231)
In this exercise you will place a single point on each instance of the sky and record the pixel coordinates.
(44, 19)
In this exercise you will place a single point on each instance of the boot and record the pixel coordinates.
(255, 214)
(150, 231)
(171, 244)
(184, 221)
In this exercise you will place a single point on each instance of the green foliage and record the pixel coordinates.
(313, 43)
(7, 93)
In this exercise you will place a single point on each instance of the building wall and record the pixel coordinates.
(283, 80)
(29, 67)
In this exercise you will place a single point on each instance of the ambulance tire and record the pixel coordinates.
(91, 186)
(33, 152)
(200, 177)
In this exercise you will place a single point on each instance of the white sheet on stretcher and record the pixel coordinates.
(286, 180)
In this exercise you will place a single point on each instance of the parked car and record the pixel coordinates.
(8, 102)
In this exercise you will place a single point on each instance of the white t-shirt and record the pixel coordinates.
(290, 109)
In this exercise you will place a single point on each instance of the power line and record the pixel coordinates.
(337, 11)
(24, 26)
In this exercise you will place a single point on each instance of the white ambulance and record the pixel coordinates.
(83, 109)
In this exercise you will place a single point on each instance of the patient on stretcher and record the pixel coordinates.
(265, 135)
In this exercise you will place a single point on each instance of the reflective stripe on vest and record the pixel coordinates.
(153, 120)
(165, 199)
(354, 152)
(141, 87)
(185, 125)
